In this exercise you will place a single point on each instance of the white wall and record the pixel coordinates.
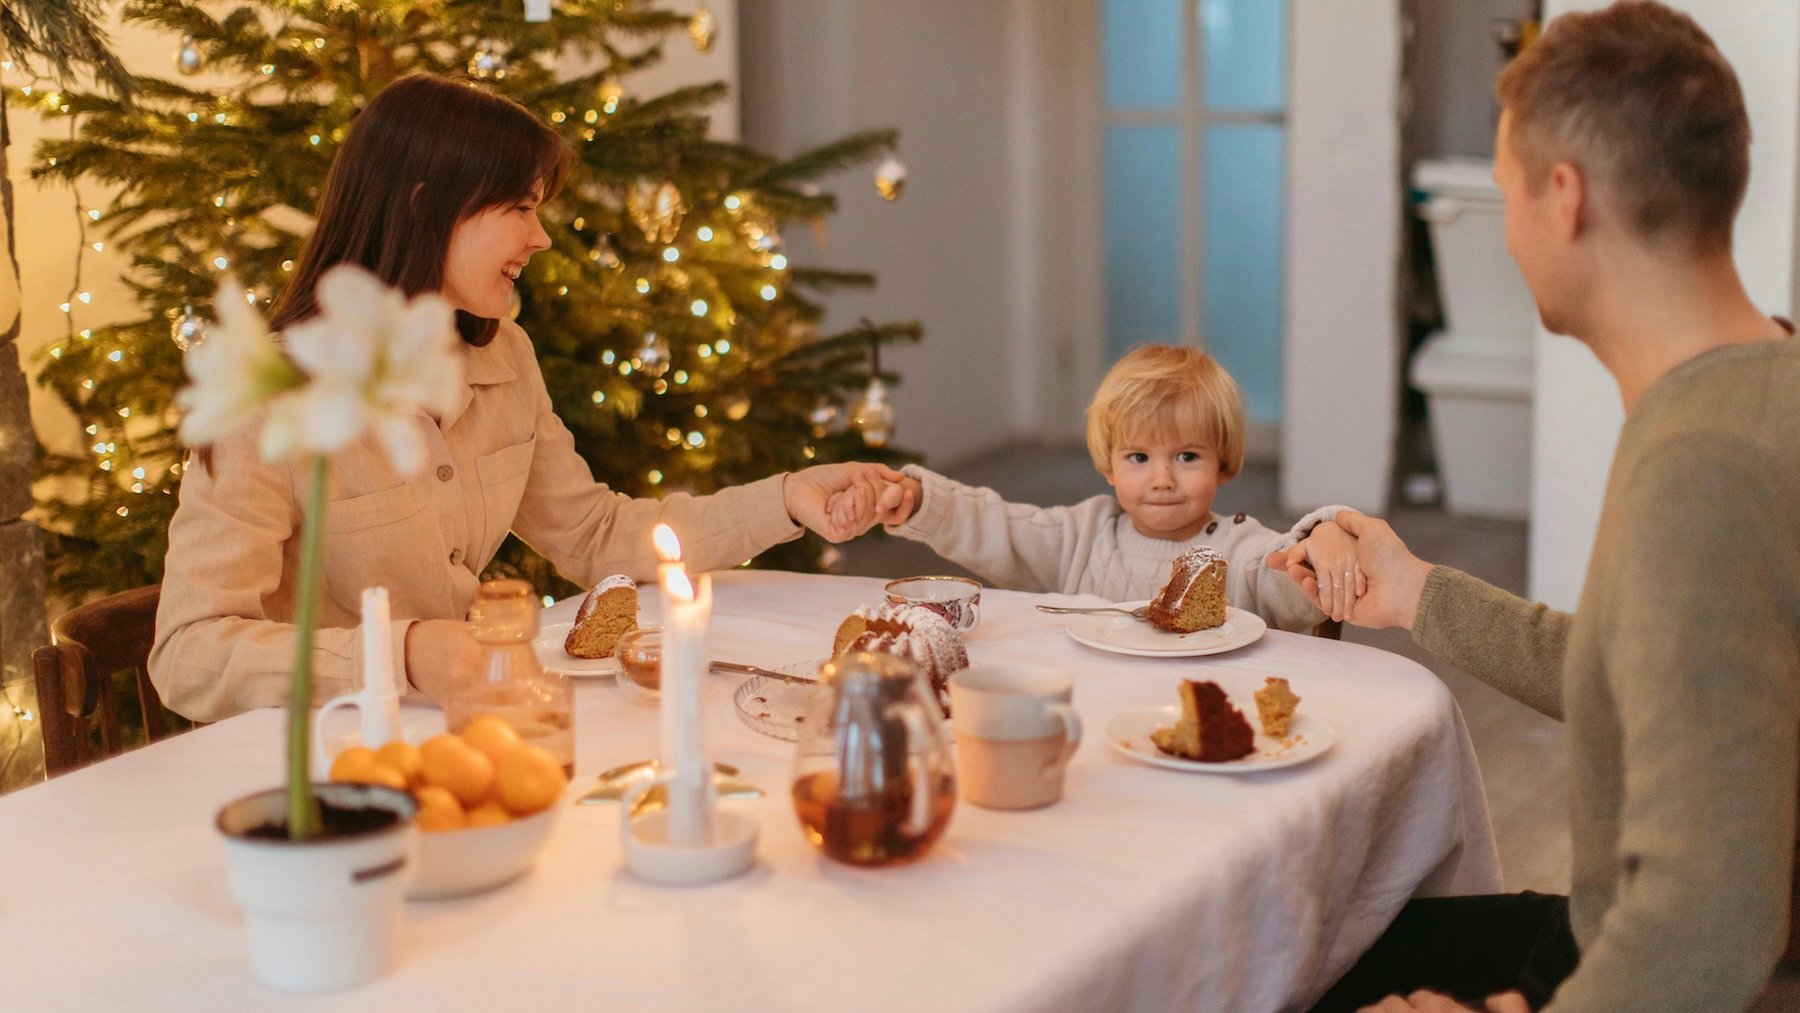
(1577, 413)
(942, 72)
(1340, 405)
(47, 231)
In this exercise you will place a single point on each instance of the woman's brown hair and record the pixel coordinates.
(426, 153)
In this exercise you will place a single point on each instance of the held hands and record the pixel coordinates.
(883, 502)
(1336, 575)
(439, 654)
(838, 500)
(1393, 577)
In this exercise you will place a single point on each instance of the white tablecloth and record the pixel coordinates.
(1144, 889)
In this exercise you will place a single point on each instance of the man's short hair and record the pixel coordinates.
(1164, 389)
(1641, 100)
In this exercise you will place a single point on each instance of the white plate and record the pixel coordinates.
(1129, 733)
(773, 707)
(549, 647)
(1119, 634)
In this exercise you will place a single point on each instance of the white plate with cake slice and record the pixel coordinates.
(550, 653)
(1308, 736)
(1122, 634)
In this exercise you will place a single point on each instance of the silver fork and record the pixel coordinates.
(1141, 612)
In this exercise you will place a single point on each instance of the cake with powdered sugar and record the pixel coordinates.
(1194, 597)
(911, 632)
(608, 612)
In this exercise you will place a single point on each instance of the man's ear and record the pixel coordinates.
(1573, 201)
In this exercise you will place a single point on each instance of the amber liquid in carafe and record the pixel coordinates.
(879, 830)
(511, 684)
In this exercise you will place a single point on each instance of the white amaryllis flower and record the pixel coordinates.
(234, 372)
(365, 361)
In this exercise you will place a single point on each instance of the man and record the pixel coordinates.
(1623, 153)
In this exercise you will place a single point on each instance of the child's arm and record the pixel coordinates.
(1267, 592)
(1010, 545)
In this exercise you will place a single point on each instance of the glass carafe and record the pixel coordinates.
(510, 682)
(874, 774)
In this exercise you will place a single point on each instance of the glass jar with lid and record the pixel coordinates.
(510, 683)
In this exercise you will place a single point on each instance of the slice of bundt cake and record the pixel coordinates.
(908, 631)
(1194, 597)
(1210, 730)
(607, 613)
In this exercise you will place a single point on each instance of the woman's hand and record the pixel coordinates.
(809, 497)
(439, 654)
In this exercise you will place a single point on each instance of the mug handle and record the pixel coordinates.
(321, 761)
(1071, 723)
(971, 614)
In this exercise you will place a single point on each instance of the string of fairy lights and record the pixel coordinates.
(656, 207)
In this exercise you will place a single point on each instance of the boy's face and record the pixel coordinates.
(1165, 483)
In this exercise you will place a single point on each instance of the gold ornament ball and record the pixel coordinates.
(873, 415)
(188, 59)
(701, 29)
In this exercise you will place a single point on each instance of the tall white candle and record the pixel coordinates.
(380, 704)
(686, 609)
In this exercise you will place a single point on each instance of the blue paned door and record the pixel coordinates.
(1194, 159)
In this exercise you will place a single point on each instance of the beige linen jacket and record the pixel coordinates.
(501, 460)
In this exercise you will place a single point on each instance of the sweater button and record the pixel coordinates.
(455, 556)
(446, 473)
(1210, 528)
(1239, 519)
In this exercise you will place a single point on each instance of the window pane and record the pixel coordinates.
(1246, 53)
(1245, 177)
(1142, 53)
(1143, 236)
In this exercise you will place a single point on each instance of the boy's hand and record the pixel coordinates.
(1332, 553)
(898, 500)
(819, 495)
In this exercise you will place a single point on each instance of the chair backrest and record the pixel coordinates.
(74, 677)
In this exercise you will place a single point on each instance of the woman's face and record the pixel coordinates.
(488, 249)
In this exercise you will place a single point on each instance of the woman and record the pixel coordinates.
(436, 188)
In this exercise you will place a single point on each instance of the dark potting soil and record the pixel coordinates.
(338, 821)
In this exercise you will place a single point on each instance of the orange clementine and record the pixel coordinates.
(529, 780)
(492, 735)
(353, 758)
(404, 757)
(464, 770)
(366, 770)
(439, 810)
(488, 814)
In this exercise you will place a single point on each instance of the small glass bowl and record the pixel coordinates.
(639, 653)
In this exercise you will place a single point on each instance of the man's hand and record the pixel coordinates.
(856, 486)
(439, 654)
(1395, 576)
(1431, 1002)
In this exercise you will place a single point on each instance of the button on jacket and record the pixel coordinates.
(500, 460)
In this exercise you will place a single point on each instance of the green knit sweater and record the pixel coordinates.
(1679, 678)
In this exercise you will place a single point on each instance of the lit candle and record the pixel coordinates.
(668, 549)
(686, 609)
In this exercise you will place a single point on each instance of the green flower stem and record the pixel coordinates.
(303, 809)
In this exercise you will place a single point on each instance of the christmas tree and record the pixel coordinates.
(679, 345)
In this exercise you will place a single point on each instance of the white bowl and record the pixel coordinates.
(455, 863)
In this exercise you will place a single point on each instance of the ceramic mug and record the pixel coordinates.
(957, 599)
(1015, 733)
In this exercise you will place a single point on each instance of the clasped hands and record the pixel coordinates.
(1356, 569)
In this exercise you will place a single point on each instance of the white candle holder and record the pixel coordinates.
(727, 849)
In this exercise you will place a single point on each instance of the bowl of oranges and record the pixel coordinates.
(487, 802)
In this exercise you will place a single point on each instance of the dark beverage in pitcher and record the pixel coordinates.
(890, 828)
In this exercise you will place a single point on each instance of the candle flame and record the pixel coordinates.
(678, 585)
(668, 547)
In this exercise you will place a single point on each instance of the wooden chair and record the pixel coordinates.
(75, 678)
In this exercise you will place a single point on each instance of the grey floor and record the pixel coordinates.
(1521, 751)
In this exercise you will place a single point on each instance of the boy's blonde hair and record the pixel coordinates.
(1167, 389)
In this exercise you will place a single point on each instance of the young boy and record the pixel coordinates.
(1166, 429)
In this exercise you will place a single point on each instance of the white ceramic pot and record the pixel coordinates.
(326, 913)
